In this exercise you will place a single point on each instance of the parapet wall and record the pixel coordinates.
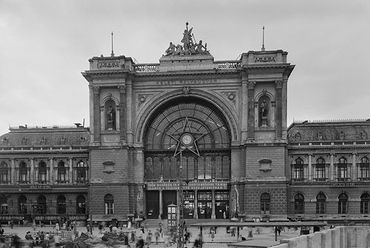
(339, 237)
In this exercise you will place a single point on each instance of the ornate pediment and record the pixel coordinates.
(189, 45)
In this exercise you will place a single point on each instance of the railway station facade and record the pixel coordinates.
(211, 133)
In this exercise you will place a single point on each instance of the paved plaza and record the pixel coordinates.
(265, 237)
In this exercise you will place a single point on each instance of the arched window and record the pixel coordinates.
(364, 169)
(62, 172)
(81, 172)
(23, 172)
(321, 203)
(61, 204)
(364, 207)
(22, 204)
(42, 172)
(109, 204)
(298, 170)
(81, 205)
(342, 170)
(4, 173)
(299, 204)
(343, 203)
(41, 204)
(265, 203)
(320, 170)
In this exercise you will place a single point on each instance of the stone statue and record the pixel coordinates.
(171, 49)
(111, 117)
(263, 113)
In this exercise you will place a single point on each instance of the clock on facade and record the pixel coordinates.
(187, 139)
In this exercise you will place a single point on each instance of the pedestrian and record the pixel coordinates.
(100, 228)
(198, 242)
(212, 233)
(140, 242)
(11, 224)
(148, 240)
(157, 235)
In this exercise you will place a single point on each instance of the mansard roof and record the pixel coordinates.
(334, 130)
(24, 136)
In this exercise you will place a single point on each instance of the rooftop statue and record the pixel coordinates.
(189, 47)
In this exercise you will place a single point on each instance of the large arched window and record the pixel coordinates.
(321, 203)
(298, 170)
(42, 172)
(4, 173)
(109, 204)
(81, 171)
(197, 130)
(23, 172)
(343, 203)
(81, 205)
(342, 170)
(265, 203)
(320, 170)
(364, 207)
(299, 204)
(61, 204)
(364, 169)
(62, 172)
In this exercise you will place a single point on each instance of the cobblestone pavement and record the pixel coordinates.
(221, 239)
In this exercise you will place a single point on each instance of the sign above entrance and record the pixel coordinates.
(190, 186)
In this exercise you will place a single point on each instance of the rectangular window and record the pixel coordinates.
(81, 175)
(342, 207)
(61, 175)
(109, 208)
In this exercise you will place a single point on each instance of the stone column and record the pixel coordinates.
(160, 204)
(70, 171)
(213, 215)
(310, 167)
(122, 113)
(129, 100)
(251, 116)
(34, 172)
(96, 113)
(47, 179)
(353, 170)
(279, 109)
(12, 173)
(332, 171)
(195, 204)
(52, 175)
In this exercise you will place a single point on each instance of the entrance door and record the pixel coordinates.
(204, 204)
(169, 197)
(152, 204)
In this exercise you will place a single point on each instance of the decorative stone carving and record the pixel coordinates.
(279, 84)
(186, 90)
(251, 85)
(189, 47)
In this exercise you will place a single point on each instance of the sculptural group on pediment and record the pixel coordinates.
(189, 47)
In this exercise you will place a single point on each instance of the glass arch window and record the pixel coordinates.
(62, 172)
(298, 170)
(364, 169)
(81, 205)
(299, 204)
(195, 128)
(41, 204)
(42, 172)
(109, 204)
(320, 170)
(61, 204)
(364, 205)
(342, 170)
(23, 172)
(321, 203)
(4, 172)
(343, 203)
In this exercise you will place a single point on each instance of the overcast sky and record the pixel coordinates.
(45, 45)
